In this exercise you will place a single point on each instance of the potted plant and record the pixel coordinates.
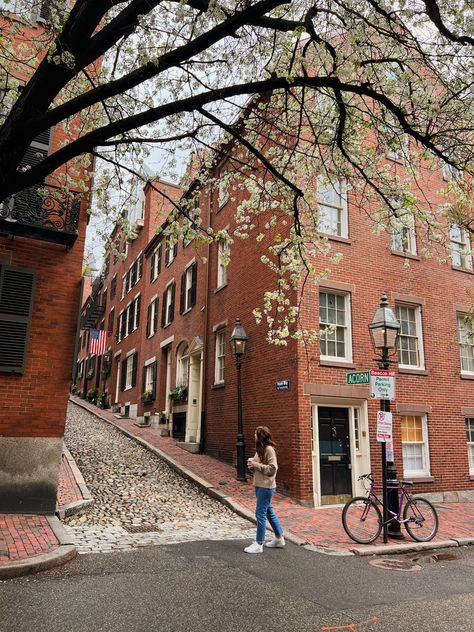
(93, 395)
(147, 397)
(163, 417)
(179, 393)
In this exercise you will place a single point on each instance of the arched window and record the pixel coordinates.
(182, 365)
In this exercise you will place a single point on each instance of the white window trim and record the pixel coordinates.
(425, 443)
(219, 358)
(461, 247)
(135, 320)
(182, 380)
(343, 207)
(223, 187)
(411, 241)
(419, 336)
(348, 328)
(167, 299)
(129, 371)
(148, 377)
(470, 449)
(460, 316)
(188, 284)
(154, 258)
(124, 286)
(221, 267)
(154, 304)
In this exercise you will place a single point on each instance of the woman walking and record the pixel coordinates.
(264, 467)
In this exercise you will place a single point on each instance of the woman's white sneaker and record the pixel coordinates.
(276, 543)
(255, 547)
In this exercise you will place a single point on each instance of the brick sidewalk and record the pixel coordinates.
(316, 526)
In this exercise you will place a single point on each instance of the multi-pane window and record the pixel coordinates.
(188, 288)
(129, 372)
(334, 326)
(182, 373)
(113, 286)
(466, 344)
(149, 379)
(220, 357)
(223, 188)
(171, 250)
(152, 318)
(460, 247)
(155, 263)
(410, 342)
(470, 443)
(167, 314)
(222, 260)
(122, 326)
(332, 208)
(415, 445)
(404, 237)
(356, 428)
(124, 286)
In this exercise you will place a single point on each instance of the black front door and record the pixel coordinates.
(179, 426)
(334, 454)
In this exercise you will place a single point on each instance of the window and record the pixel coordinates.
(334, 325)
(415, 445)
(410, 342)
(450, 173)
(155, 263)
(222, 262)
(171, 250)
(404, 236)
(129, 372)
(110, 324)
(470, 444)
(355, 412)
(149, 379)
(182, 366)
(124, 286)
(167, 313)
(188, 288)
(460, 247)
(152, 318)
(113, 286)
(223, 188)
(396, 142)
(122, 327)
(133, 315)
(16, 305)
(219, 375)
(332, 208)
(466, 344)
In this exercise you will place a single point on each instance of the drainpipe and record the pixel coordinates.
(202, 438)
(78, 332)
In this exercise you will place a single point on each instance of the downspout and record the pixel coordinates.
(78, 333)
(202, 438)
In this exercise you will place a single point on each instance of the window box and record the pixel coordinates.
(180, 393)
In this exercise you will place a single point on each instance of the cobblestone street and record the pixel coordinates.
(138, 499)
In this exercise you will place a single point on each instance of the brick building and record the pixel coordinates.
(41, 251)
(324, 427)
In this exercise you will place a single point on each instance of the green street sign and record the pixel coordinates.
(358, 377)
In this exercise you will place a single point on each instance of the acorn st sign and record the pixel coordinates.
(358, 377)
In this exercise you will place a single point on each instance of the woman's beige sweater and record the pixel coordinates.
(264, 474)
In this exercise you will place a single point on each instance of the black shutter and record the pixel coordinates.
(155, 316)
(148, 320)
(137, 310)
(45, 11)
(167, 253)
(158, 254)
(163, 309)
(130, 312)
(175, 250)
(140, 267)
(182, 293)
(152, 267)
(143, 379)
(153, 377)
(123, 376)
(16, 304)
(193, 284)
(123, 324)
(173, 292)
(134, 368)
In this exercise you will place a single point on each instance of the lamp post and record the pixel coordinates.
(384, 331)
(238, 344)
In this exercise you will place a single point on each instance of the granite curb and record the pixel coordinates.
(65, 552)
(394, 549)
(77, 506)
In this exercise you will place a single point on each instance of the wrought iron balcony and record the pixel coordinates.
(42, 212)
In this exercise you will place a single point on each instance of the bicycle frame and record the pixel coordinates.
(403, 496)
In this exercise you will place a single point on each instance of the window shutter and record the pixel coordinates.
(155, 316)
(167, 253)
(193, 284)
(123, 324)
(163, 310)
(158, 254)
(137, 310)
(37, 151)
(123, 376)
(110, 327)
(16, 304)
(148, 320)
(152, 267)
(130, 316)
(173, 292)
(182, 293)
(175, 250)
(153, 377)
(134, 368)
(140, 267)
(44, 14)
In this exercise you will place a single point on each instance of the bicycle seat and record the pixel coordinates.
(406, 482)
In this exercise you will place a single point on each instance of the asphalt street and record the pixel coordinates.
(214, 586)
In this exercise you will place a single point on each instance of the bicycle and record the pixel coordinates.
(362, 519)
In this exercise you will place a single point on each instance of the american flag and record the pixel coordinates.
(98, 340)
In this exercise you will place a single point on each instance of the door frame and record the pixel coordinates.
(359, 455)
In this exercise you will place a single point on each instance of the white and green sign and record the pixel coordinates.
(358, 377)
(382, 384)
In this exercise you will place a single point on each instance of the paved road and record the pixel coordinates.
(138, 499)
(214, 587)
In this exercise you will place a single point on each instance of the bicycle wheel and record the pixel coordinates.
(421, 519)
(362, 520)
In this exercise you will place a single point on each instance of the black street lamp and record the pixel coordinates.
(384, 331)
(238, 344)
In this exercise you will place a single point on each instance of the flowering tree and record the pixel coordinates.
(302, 89)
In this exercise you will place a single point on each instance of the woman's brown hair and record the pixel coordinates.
(262, 440)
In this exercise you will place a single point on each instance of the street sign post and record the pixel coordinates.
(358, 377)
(382, 384)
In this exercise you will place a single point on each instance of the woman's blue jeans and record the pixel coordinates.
(265, 510)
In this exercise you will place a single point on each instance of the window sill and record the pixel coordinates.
(342, 364)
(471, 477)
(419, 478)
(405, 255)
(399, 161)
(221, 287)
(128, 388)
(186, 311)
(339, 238)
(221, 205)
(219, 385)
(466, 376)
(413, 371)
(167, 325)
(460, 269)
